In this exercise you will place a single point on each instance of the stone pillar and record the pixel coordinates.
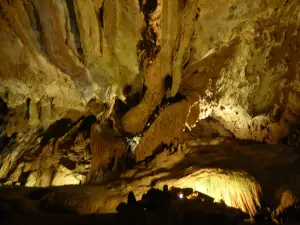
(45, 113)
(107, 149)
(33, 114)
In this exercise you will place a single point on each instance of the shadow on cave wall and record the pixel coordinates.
(4, 139)
(85, 126)
(55, 130)
(62, 126)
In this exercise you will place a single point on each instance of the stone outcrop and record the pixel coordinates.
(244, 73)
(60, 155)
(167, 127)
(108, 149)
(157, 72)
(68, 52)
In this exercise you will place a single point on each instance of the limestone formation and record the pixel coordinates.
(229, 63)
(107, 152)
(58, 156)
(79, 78)
(167, 126)
(245, 178)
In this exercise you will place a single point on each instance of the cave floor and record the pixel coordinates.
(111, 219)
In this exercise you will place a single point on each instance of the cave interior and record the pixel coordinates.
(149, 112)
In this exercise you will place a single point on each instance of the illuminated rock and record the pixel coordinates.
(234, 64)
(107, 151)
(168, 126)
(59, 157)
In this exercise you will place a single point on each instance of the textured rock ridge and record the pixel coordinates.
(238, 65)
(57, 156)
(107, 149)
(68, 52)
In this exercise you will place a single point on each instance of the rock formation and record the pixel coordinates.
(107, 152)
(237, 65)
(89, 88)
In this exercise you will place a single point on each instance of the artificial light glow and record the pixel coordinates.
(193, 195)
(236, 188)
(201, 188)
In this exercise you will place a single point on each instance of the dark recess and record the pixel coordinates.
(127, 90)
(56, 130)
(86, 125)
(27, 108)
(140, 4)
(150, 6)
(110, 123)
(132, 100)
(278, 115)
(84, 128)
(68, 163)
(38, 28)
(101, 16)
(74, 27)
(4, 140)
(3, 110)
(177, 98)
(148, 43)
(39, 193)
(168, 82)
(23, 177)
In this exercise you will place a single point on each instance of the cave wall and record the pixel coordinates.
(108, 151)
(248, 78)
(58, 155)
(237, 64)
(61, 54)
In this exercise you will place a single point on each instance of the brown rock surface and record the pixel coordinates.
(107, 151)
(244, 175)
(167, 127)
(60, 155)
(218, 70)
(236, 63)
(245, 83)
(62, 51)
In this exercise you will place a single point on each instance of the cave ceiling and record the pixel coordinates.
(234, 61)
